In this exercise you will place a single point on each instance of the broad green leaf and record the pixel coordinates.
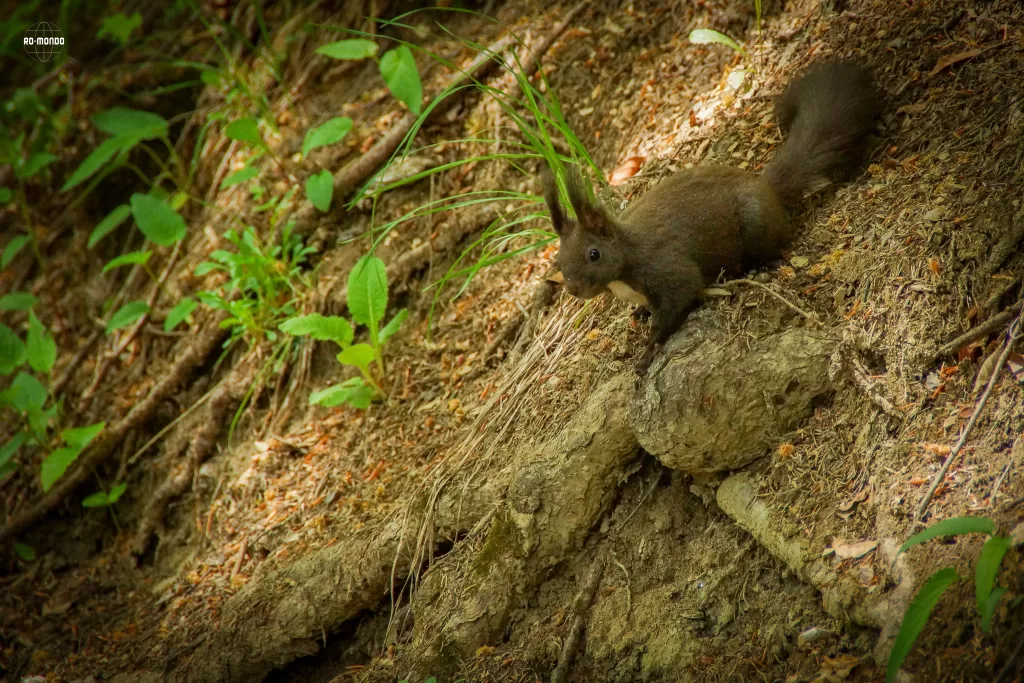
(127, 314)
(124, 122)
(97, 158)
(40, 349)
(986, 570)
(359, 355)
(703, 36)
(179, 313)
(393, 326)
(954, 526)
(108, 224)
(56, 464)
(17, 301)
(353, 391)
(211, 77)
(246, 130)
(5, 196)
(206, 267)
(356, 48)
(398, 68)
(25, 393)
(368, 290)
(119, 26)
(990, 608)
(116, 492)
(35, 163)
(80, 437)
(319, 189)
(157, 220)
(320, 327)
(8, 450)
(238, 177)
(328, 133)
(916, 617)
(96, 500)
(12, 350)
(12, 249)
(25, 552)
(130, 259)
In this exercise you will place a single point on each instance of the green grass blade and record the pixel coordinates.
(916, 617)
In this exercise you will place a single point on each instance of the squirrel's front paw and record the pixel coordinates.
(639, 314)
(647, 359)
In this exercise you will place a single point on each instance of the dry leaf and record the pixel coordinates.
(1016, 364)
(949, 60)
(987, 368)
(934, 266)
(916, 108)
(918, 481)
(556, 277)
(848, 505)
(693, 119)
(629, 168)
(851, 551)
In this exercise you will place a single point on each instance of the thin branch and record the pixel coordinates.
(791, 306)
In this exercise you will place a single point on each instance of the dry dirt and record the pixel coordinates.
(449, 532)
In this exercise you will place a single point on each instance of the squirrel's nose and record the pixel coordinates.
(572, 286)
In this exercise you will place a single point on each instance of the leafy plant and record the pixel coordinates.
(119, 27)
(397, 67)
(987, 594)
(264, 282)
(704, 36)
(367, 303)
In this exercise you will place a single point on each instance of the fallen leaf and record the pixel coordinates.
(935, 214)
(1016, 364)
(629, 168)
(949, 60)
(851, 551)
(848, 504)
(717, 291)
(556, 277)
(934, 266)
(1017, 535)
(916, 108)
(918, 481)
(693, 119)
(799, 261)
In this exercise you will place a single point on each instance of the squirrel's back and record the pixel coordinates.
(826, 116)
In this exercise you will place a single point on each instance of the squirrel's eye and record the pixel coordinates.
(593, 255)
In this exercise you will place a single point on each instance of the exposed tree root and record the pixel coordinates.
(579, 618)
(191, 357)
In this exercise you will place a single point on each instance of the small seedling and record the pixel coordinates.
(397, 67)
(367, 303)
(987, 594)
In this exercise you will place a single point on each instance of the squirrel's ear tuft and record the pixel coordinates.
(580, 195)
(551, 197)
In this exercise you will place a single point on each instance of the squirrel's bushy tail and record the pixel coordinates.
(826, 115)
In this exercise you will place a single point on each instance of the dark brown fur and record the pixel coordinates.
(700, 222)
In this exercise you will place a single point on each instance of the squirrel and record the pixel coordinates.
(703, 221)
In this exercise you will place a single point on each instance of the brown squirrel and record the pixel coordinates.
(695, 224)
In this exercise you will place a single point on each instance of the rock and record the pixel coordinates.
(709, 408)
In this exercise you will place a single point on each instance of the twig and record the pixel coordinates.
(791, 306)
(857, 374)
(982, 330)
(70, 368)
(580, 608)
(941, 476)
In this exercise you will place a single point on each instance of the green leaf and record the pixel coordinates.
(25, 552)
(130, 123)
(916, 617)
(96, 500)
(12, 350)
(319, 189)
(211, 77)
(246, 130)
(127, 314)
(25, 393)
(108, 224)
(182, 310)
(703, 36)
(392, 326)
(368, 291)
(117, 492)
(986, 569)
(989, 609)
(319, 327)
(17, 301)
(353, 391)
(8, 450)
(129, 259)
(954, 526)
(356, 48)
(238, 177)
(40, 348)
(399, 71)
(359, 355)
(5, 196)
(12, 249)
(80, 437)
(35, 163)
(205, 267)
(119, 27)
(328, 133)
(157, 220)
(26, 103)
(97, 158)
(56, 464)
